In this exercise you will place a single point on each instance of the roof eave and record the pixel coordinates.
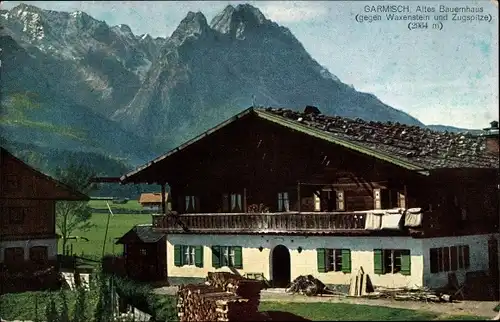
(126, 177)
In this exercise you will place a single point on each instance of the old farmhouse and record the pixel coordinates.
(27, 215)
(282, 194)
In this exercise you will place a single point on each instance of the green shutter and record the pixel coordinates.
(346, 260)
(378, 261)
(216, 256)
(405, 262)
(321, 260)
(177, 255)
(198, 254)
(238, 260)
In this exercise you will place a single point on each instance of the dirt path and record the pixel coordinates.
(460, 308)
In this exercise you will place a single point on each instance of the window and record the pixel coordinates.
(188, 255)
(14, 255)
(191, 204)
(392, 261)
(448, 259)
(388, 198)
(143, 252)
(232, 202)
(11, 182)
(283, 201)
(334, 260)
(236, 205)
(39, 254)
(16, 215)
(230, 256)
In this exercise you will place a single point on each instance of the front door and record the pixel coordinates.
(280, 266)
(493, 262)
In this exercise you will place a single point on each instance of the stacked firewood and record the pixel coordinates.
(308, 285)
(410, 294)
(224, 297)
(246, 288)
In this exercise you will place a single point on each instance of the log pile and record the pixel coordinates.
(406, 294)
(224, 297)
(308, 285)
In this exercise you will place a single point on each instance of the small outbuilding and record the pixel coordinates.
(144, 253)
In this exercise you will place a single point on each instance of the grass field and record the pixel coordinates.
(119, 224)
(356, 312)
(101, 204)
(22, 306)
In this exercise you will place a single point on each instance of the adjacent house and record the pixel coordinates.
(27, 214)
(152, 201)
(282, 193)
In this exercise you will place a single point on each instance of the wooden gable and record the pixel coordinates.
(20, 181)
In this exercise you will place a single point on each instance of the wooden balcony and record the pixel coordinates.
(262, 223)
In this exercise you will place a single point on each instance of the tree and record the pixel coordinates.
(74, 215)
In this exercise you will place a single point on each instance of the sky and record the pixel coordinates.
(447, 76)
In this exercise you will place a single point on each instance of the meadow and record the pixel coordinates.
(133, 205)
(119, 224)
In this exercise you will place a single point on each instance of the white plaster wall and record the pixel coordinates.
(51, 245)
(304, 263)
(478, 252)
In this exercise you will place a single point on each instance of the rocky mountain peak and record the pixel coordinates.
(194, 24)
(234, 21)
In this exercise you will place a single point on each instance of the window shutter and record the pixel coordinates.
(401, 200)
(460, 256)
(216, 255)
(466, 256)
(433, 255)
(406, 262)
(378, 261)
(346, 260)
(446, 259)
(181, 205)
(376, 199)
(385, 198)
(198, 254)
(197, 204)
(225, 203)
(177, 255)
(454, 258)
(340, 200)
(317, 202)
(238, 257)
(321, 253)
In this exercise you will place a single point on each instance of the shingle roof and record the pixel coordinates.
(144, 233)
(418, 146)
(73, 194)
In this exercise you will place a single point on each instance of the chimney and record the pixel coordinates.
(491, 136)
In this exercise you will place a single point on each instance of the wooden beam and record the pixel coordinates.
(244, 199)
(163, 201)
(298, 197)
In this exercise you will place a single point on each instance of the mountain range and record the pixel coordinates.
(73, 83)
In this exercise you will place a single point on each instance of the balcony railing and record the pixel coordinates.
(261, 223)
